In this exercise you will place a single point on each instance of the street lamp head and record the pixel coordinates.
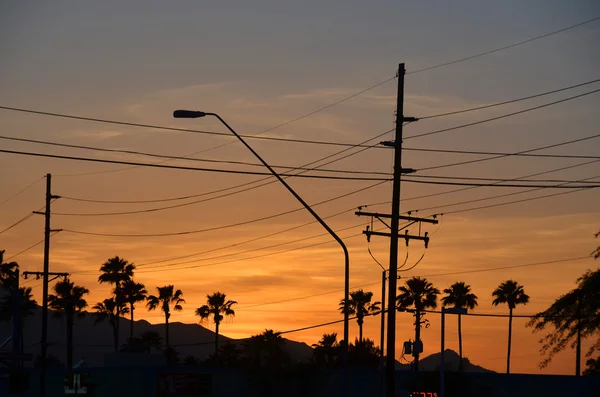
(188, 114)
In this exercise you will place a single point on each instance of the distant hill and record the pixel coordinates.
(92, 341)
(451, 359)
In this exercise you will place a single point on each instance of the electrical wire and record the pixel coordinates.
(89, 159)
(505, 47)
(493, 197)
(513, 202)
(17, 222)
(413, 266)
(507, 155)
(559, 186)
(171, 157)
(476, 187)
(209, 199)
(22, 190)
(253, 257)
(562, 185)
(166, 128)
(509, 101)
(503, 154)
(501, 116)
(242, 307)
(248, 251)
(490, 269)
(246, 241)
(30, 247)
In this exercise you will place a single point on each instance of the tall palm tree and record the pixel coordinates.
(116, 271)
(167, 296)
(420, 294)
(68, 299)
(360, 305)
(218, 306)
(110, 309)
(513, 294)
(459, 295)
(132, 292)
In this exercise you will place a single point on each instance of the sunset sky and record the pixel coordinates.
(264, 64)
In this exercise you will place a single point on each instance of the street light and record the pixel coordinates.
(192, 114)
(449, 310)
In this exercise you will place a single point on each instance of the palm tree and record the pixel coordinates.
(27, 307)
(218, 307)
(8, 273)
(420, 294)
(132, 293)
(266, 350)
(513, 294)
(360, 305)
(116, 271)
(167, 295)
(326, 350)
(459, 295)
(110, 309)
(68, 299)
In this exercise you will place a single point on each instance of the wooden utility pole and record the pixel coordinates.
(47, 231)
(394, 234)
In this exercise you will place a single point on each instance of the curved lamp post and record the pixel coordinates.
(192, 114)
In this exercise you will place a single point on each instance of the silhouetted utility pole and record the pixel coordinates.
(47, 231)
(395, 218)
(16, 337)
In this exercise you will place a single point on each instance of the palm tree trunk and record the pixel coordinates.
(417, 338)
(360, 331)
(578, 350)
(216, 339)
(460, 351)
(131, 325)
(167, 330)
(70, 322)
(509, 340)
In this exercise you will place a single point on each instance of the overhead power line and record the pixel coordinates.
(22, 190)
(495, 197)
(164, 268)
(163, 156)
(514, 202)
(169, 265)
(241, 307)
(89, 159)
(28, 248)
(509, 101)
(511, 154)
(476, 187)
(17, 222)
(559, 186)
(502, 116)
(491, 269)
(563, 185)
(500, 154)
(519, 43)
(209, 199)
(279, 139)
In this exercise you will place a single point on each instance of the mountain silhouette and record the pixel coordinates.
(93, 341)
(451, 359)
